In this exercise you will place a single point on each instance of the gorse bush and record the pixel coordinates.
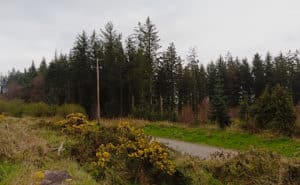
(75, 122)
(134, 152)
(135, 146)
(109, 152)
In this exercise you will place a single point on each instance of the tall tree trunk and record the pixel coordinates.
(132, 102)
(161, 105)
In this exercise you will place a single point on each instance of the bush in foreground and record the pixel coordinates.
(255, 167)
(120, 155)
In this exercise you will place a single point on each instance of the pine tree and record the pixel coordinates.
(218, 105)
(148, 38)
(233, 81)
(274, 110)
(269, 71)
(284, 111)
(166, 79)
(43, 67)
(246, 78)
(211, 78)
(113, 71)
(258, 75)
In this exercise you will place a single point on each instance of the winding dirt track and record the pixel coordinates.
(196, 150)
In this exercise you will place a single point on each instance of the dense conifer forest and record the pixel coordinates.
(138, 78)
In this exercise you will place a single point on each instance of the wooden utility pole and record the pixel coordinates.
(98, 93)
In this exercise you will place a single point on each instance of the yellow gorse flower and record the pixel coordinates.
(74, 122)
(134, 144)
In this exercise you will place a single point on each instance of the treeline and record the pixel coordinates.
(136, 78)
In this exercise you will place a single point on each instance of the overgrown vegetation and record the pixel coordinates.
(255, 167)
(19, 108)
(127, 156)
(93, 155)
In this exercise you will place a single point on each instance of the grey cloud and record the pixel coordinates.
(32, 29)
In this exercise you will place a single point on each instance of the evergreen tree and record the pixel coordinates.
(274, 110)
(246, 79)
(233, 81)
(43, 67)
(113, 71)
(269, 71)
(258, 75)
(166, 79)
(57, 81)
(284, 111)
(148, 38)
(218, 105)
(211, 78)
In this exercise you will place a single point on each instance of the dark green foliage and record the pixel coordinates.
(138, 77)
(218, 106)
(262, 110)
(258, 75)
(245, 105)
(285, 115)
(274, 110)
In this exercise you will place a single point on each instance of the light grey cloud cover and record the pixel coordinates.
(31, 29)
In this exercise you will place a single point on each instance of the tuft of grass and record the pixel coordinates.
(27, 147)
(227, 139)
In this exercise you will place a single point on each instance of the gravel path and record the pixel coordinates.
(197, 150)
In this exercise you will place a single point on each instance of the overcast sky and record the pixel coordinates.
(31, 29)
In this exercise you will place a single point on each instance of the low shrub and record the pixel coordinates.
(74, 122)
(38, 110)
(137, 153)
(119, 155)
(67, 109)
(255, 167)
(18, 108)
(193, 172)
(15, 108)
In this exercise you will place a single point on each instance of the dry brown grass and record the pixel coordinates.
(31, 149)
(18, 141)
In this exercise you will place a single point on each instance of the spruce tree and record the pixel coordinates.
(258, 75)
(218, 106)
(284, 111)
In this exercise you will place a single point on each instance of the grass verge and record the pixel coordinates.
(226, 139)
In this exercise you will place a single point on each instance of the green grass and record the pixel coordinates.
(226, 139)
(23, 136)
